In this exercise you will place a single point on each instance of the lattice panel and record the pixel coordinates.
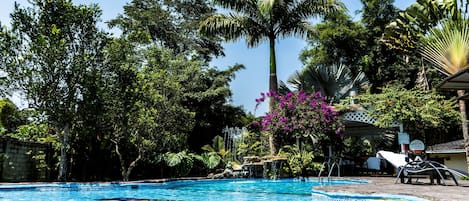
(358, 116)
(361, 116)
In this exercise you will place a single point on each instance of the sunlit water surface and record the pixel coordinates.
(234, 189)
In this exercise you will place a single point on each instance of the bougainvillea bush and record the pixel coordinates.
(297, 115)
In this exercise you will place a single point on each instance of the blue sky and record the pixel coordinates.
(250, 82)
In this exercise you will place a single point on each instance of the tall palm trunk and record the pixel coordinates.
(465, 130)
(272, 88)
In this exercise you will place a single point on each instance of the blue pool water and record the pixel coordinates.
(227, 190)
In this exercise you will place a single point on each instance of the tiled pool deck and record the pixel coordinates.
(386, 185)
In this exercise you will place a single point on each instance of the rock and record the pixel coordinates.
(227, 173)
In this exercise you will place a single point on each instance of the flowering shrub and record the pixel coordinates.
(300, 115)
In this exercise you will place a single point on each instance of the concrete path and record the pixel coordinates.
(423, 189)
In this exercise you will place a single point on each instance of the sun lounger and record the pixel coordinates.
(427, 169)
(397, 160)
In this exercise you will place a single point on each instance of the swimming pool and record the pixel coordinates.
(251, 189)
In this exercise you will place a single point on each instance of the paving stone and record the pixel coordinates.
(422, 189)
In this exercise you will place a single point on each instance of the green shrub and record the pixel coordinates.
(181, 163)
(300, 161)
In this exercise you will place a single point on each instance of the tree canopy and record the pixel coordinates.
(413, 108)
(170, 24)
(52, 42)
(117, 101)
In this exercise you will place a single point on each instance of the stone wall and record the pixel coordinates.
(23, 161)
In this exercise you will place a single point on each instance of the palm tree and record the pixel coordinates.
(334, 82)
(259, 20)
(447, 49)
(416, 20)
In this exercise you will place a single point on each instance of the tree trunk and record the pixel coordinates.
(63, 154)
(298, 144)
(121, 160)
(125, 171)
(465, 130)
(131, 167)
(272, 88)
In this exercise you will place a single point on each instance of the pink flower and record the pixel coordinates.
(255, 123)
(283, 119)
(300, 111)
(313, 103)
(317, 94)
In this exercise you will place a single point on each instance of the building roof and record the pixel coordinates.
(447, 148)
(459, 80)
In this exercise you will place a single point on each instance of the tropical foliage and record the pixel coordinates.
(357, 146)
(170, 24)
(300, 115)
(52, 42)
(217, 151)
(415, 108)
(180, 162)
(10, 116)
(447, 48)
(412, 24)
(254, 143)
(337, 39)
(119, 107)
(115, 101)
(360, 46)
(333, 82)
(301, 162)
(259, 20)
(211, 160)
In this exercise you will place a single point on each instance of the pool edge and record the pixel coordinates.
(338, 195)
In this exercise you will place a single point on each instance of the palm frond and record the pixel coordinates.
(257, 19)
(294, 18)
(266, 6)
(208, 148)
(306, 9)
(229, 26)
(447, 48)
(174, 159)
(294, 28)
(300, 81)
(334, 81)
(242, 6)
(218, 143)
(234, 26)
(210, 160)
(224, 153)
(283, 88)
(361, 81)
